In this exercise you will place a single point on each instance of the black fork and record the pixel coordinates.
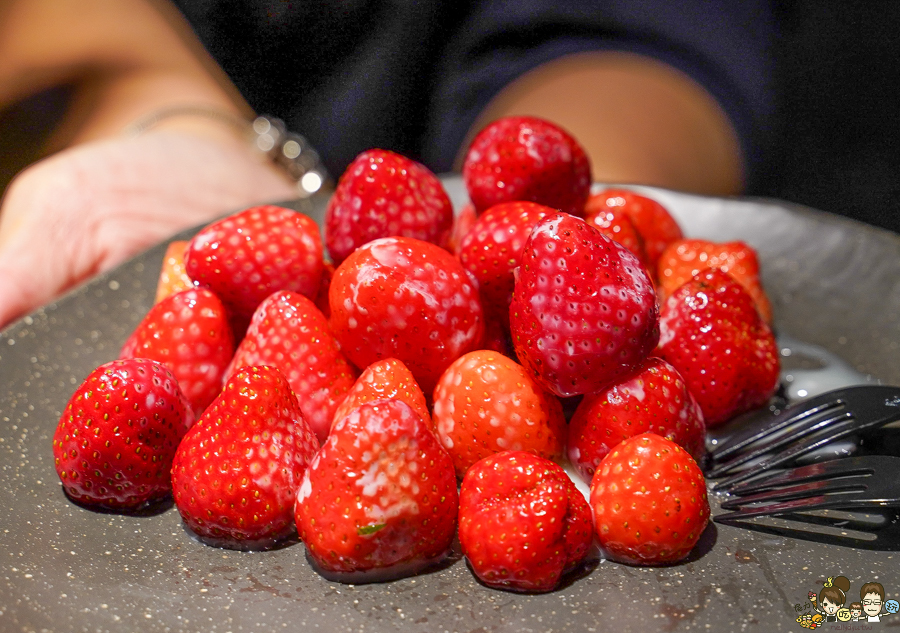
(801, 429)
(852, 501)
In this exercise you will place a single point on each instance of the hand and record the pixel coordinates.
(88, 208)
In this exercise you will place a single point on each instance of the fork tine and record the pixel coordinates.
(844, 467)
(814, 424)
(834, 432)
(806, 504)
(795, 414)
(843, 485)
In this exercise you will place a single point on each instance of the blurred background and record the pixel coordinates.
(837, 140)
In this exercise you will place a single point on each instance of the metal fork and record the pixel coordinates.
(801, 429)
(853, 485)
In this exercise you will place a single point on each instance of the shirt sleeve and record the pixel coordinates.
(723, 46)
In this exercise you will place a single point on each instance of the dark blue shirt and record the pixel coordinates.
(412, 75)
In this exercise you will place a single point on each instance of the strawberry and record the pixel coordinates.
(289, 332)
(654, 398)
(403, 298)
(247, 256)
(496, 336)
(462, 224)
(486, 403)
(114, 444)
(584, 312)
(172, 276)
(236, 472)
(649, 501)
(712, 334)
(522, 522)
(492, 248)
(188, 332)
(379, 499)
(616, 225)
(382, 380)
(321, 300)
(383, 194)
(653, 222)
(685, 258)
(527, 158)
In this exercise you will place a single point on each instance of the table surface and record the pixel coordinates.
(835, 285)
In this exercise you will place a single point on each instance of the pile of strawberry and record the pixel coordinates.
(414, 386)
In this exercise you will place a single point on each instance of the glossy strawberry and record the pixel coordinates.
(172, 276)
(522, 522)
(462, 224)
(379, 500)
(654, 398)
(321, 299)
(653, 222)
(685, 258)
(712, 334)
(616, 225)
(649, 501)
(492, 248)
(189, 333)
(114, 444)
(527, 158)
(584, 312)
(383, 194)
(289, 332)
(247, 256)
(384, 380)
(486, 403)
(403, 298)
(236, 472)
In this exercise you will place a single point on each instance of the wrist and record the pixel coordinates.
(266, 136)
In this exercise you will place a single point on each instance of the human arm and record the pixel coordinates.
(639, 120)
(677, 94)
(103, 196)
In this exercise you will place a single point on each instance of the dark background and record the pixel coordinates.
(836, 145)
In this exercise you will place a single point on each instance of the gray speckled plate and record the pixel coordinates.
(834, 284)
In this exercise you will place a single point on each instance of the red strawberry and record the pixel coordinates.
(172, 276)
(289, 332)
(713, 335)
(616, 225)
(380, 498)
(402, 298)
(383, 194)
(653, 222)
(527, 158)
(486, 403)
(491, 250)
(236, 472)
(188, 332)
(584, 312)
(115, 441)
(383, 380)
(321, 300)
(685, 258)
(246, 257)
(654, 398)
(649, 501)
(462, 224)
(522, 522)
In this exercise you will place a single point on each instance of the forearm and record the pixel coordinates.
(125, 58)
(639, 120)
